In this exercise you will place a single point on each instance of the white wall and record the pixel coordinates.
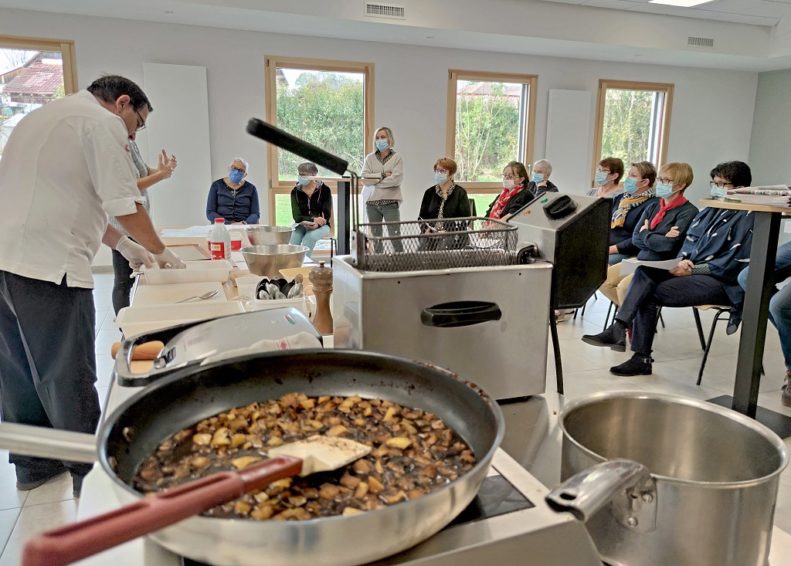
(712, 111)
(770, 146)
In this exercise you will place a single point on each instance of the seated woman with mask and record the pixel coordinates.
(515, 183)
(716, 249)
(233, 198)
(445, 199)
(628, 207)
(659, 232)
(311, 207)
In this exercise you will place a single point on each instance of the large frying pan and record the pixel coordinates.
(133, 431)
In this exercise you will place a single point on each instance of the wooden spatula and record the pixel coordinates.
(155, 511)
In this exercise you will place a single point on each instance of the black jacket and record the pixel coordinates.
(457, 204)
(306, 209)
(653, 245)
(622, 236)
(523, 197)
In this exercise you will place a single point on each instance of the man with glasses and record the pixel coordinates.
(716, 249)
(233, 197)
(65, 169)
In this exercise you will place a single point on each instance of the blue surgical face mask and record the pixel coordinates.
(381, 144)
(236, 176)
(302, 180)
(601, 177)
(537, 178)
(718, 192)
(630, 185)
(664, 190)
(440, 178)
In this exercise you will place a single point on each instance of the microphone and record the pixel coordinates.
(284, 140)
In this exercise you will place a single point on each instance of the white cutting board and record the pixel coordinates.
(173, 293)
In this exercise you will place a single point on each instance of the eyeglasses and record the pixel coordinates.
(721, 185)
(242, 171)
(509, 176)
(600, 170)
(141, 124)
(665, 180)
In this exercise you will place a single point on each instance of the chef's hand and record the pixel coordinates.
(169, 260)
(683, 268)
(134, 253)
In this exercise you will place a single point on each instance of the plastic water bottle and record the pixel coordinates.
(220, 240)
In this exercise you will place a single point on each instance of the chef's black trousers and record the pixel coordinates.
(47, 364)
(653, 288)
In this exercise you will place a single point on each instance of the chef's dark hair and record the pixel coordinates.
(737, 172)
(109, 87)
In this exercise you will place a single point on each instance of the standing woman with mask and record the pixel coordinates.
(234, 198)
(311, 207)
(146, 177)
(385, 195)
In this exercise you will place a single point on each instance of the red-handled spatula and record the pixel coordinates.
(155, 511)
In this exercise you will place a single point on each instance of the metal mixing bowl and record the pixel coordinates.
(269, 235)
(269, 260)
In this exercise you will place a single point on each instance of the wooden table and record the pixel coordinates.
(760, 281)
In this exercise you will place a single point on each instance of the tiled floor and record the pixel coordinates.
(677, 357)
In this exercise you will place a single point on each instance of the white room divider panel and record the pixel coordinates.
(569, 139)
(179, 124)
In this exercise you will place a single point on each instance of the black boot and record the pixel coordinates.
(638, 364)
(613, 337)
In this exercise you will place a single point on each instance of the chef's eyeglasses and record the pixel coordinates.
(141, 124)
(721, 185)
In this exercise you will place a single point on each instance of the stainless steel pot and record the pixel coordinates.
(709, 498)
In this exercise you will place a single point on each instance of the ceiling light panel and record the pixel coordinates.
(680, 3)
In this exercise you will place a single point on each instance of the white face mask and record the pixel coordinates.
(508, 183)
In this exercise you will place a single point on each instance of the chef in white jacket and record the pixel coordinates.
(384, 195)
(65, 169)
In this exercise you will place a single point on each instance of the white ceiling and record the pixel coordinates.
(752, 35)
(753, 12)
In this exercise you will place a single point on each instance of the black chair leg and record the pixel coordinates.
(553, 330)
(699, 326)
(708, 344)
(661, 320)
(607, 317)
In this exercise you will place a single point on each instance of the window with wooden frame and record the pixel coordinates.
(33, 72)
(490, 122)
(329, 104)
(632, 122)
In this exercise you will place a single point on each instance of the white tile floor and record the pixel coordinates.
(677, 353)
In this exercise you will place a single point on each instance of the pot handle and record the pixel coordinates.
(588, 491)
(460, 313)
(79, 540)
(43, 442)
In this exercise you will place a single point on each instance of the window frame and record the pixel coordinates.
(664, 134)
(64, 46)
(454, 76)
(271, 64)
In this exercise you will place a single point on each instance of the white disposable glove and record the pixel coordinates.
(169, 260)
(136, 254)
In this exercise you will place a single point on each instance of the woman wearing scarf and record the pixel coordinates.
(660, 230)
(445, 199)
(514, 182)
(715, 250)
(628, 207)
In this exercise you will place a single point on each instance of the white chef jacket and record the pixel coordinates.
(66, 166)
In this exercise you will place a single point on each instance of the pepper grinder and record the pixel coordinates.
(321, 278)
